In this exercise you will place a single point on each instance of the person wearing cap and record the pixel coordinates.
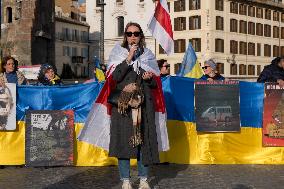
(273, 72)
(9, 72)
(210, 72)
(164, 67)
(47, 76)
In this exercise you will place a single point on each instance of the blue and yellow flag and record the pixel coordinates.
(190, 66)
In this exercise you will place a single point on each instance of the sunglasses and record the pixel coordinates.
(205, 67)
(129, 34)
(167, 66)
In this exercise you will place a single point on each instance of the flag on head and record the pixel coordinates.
(190, 67)
(161, 28)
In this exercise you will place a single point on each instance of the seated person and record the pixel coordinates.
(210, 72)
(273, 72)
(47, 76)
(164, 67)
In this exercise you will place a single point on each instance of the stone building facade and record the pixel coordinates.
(28, 31)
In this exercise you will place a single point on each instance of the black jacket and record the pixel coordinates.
(271, 73)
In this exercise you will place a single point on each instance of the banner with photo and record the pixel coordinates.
(217, 106)
(8, 107)
(49, 137)
(30, 72)
(273, 116)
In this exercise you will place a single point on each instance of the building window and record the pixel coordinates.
(267, 30)
(282, 17)
(219, 45)
(234, 7)
(243, 47)
(243, 9)
(177, 67)
(275, 16)
(120, 26)
(251, 28)
(233, 47)
(282, 32)
(258, 49)
(242, 69)
(268, 14)
(267, 50)
(258, 69)
(275, 50)
(161, 50)
(179, 46)
(74, 51)
(179, 6)
(194, 4)
(66, 51)
(219, 5)
(119, 2)
(233, 25)
(243, 26)
(282, 50)
(233, 69)
(220, 68)
(194, 22)
(259, 29)
(9, 14)
(196, 44)
(259, 12)
(84, 52)
(219, 23)
(169, 6)
(180, 23)
(275, 32)
(251, 11)
(251, 70)
(251, 49)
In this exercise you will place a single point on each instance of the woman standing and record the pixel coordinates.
(210, 72)
(9, 72)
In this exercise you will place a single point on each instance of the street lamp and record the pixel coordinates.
(102, 4)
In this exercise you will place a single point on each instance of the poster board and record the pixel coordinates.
(8, 107)
(273, 116)
(49, 137)
(217, 106)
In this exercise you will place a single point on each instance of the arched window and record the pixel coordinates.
(120, 25)
(9, 15)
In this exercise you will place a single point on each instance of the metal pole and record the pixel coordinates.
(102, 5)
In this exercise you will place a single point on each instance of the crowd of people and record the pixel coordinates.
(133, 131)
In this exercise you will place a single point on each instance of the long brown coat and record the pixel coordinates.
(121, 128)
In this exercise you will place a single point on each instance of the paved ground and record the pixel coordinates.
(162, 177)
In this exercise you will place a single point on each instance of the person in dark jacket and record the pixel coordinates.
(210, 72)
(164, 67)
(47, 76)
(273, 72)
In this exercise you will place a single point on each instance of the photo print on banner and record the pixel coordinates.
(49, 137)
(273, 116)
(8, 107)
(217, 106)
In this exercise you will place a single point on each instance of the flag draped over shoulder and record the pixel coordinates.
(190, 66)
(161, 28)
(97, 126)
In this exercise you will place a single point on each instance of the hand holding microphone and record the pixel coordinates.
(132, 52)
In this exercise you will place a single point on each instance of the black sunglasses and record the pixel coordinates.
(205, 67)
(167, 66)
(129, 34)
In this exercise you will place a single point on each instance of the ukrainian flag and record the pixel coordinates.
(190, 66)
(244, 147)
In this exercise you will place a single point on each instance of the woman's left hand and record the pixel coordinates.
(147, 75)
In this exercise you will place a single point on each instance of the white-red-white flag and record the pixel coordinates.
(161, 27)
